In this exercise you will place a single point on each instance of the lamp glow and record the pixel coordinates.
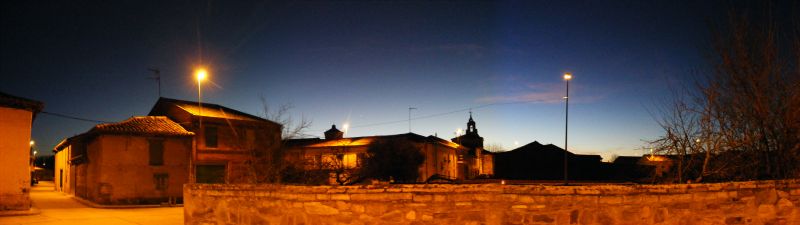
(201, 74)
(567, 76)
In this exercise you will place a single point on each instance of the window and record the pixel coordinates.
(160, 180)
(156, 152)
(211, 137)
(210, 174)
(350, 160)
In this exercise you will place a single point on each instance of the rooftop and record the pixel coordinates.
(7, 100)
(366, 140)
(137, 125)
(208, 110)
(148, 125)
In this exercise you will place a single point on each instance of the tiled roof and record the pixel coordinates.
(209, 110)
(366, 140)
(148, 125)
(11, 101)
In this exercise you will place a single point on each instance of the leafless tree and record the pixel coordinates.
(270, 166)
(494, 147)
(742, 120)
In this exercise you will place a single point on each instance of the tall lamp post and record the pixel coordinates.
(567, 77)
(33, 150)
(200, 75)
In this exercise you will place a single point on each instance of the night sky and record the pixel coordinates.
(365, 63)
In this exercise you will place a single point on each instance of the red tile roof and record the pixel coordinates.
(147, 125)
(7, 100)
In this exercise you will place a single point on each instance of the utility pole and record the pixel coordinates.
(409, 118)
(567, 77)
(156, 76)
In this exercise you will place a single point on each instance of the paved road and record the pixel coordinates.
(58, 208)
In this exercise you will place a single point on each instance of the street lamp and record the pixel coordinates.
(200, 74)
(33, 150)
(567, 77)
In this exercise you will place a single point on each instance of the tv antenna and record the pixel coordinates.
(156, 76)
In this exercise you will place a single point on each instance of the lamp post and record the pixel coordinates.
(32, 143)
(567, 77)
(200, 75)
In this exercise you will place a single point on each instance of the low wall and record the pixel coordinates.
(762, 202)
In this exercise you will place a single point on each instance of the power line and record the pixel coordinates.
(74, 118)
(443, 113)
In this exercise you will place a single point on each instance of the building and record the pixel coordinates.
(648, 168)
(147, 159)
(477, 162)
(339, 155)
(142, 160)
(226, 140)
(16, 117)
(535, 161)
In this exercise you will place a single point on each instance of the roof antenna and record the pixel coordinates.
(409, 117)
(156, 76)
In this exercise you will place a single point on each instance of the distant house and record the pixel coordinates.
(647, 168)
(535, 161)
(225, 140)
(477, 162)
(137, 161)
(16, 116)
(442, 157)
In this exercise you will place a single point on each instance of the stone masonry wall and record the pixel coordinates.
(761, 202)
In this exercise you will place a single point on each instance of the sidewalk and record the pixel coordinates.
(58, 208)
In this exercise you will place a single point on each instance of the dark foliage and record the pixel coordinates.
(393, 159)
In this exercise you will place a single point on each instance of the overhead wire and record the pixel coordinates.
(73, 117)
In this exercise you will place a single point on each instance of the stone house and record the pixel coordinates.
(142, 160)
(443, 159)
(226, 140)
(16, 117)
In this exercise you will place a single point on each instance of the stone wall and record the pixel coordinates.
(762, 202)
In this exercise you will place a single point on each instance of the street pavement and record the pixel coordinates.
(58, 208)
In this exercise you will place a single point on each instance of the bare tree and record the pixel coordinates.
(742, 120)
(494, 147)
(270, 166)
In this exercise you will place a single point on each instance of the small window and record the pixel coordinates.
(156, 152)
(210, 174)
(161, 181)
(211, 137)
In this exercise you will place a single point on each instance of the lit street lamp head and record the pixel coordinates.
(201, 74)
(567, 76)
(33, 142)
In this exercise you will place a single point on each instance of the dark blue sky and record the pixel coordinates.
(365, 63)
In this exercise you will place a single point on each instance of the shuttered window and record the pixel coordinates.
(156, 152)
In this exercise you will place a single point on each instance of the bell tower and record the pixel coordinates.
(471, 126)
(470, 139)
